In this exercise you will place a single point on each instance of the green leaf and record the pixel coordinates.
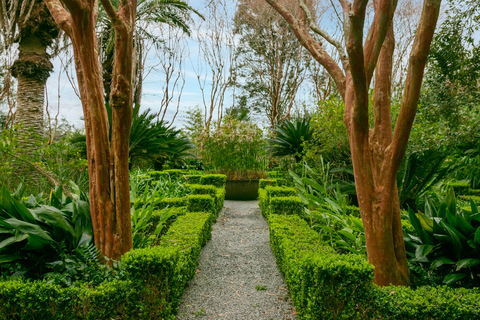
(457, 246)
(54, 217)
(451, 202)
(473, 206)
(347, 234)
(465, 263)
(423, 250)
(477, 236)
(426, 222)
(36, 242)
(28, 228)
(4, 258)
(453, 277)
(13, 239)
(418, 227)
(441, 261)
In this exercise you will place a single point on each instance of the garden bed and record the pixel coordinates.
(150, 282)
(327, 285)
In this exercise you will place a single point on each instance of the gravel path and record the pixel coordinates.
(237, 277)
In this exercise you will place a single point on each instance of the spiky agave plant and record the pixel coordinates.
(288, 138)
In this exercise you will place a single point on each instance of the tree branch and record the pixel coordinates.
(413, 82)
(317, 51)
(384, 11)
(325, 35)
(111, 12)
(61, 16)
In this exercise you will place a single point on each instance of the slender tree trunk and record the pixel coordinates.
(107, 165)
(376, 153)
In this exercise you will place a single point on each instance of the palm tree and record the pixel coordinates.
(29, 24)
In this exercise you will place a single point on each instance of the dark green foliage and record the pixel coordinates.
(193, 178)
(286, 205)
(459, 187)
(150, 141)
(418, 172)
(326, 285)
(288, 138)
(217, 180)
(200, 202)
(447, 241)
(36, 239)
(154, 280)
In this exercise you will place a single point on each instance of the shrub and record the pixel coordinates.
(447, 240)
(286, 205)
(217, 180)
(323, 285)
(459, 187)
(172, 202)
(200, 202)
(154, 280)
(193, 178)
(263, 183)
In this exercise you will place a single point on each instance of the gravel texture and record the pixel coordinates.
(237, 277)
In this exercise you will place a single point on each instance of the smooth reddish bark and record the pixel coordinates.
(107, 162)
(376, 153)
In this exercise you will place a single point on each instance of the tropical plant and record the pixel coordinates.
(38, 236)
(288, 138)
(418, 172)
(144, 205)
(326, 209)
(236, 149)
(446, 241)
(150, 141)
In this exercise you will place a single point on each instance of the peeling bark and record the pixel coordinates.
(376, 153)
(107, 162)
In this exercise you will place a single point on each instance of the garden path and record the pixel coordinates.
(237, 277)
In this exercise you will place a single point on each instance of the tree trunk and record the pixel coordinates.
(32, 69)
(376, 153)
(107, 165)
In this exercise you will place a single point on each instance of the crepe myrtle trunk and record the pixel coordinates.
(107, 162)
(377, 152)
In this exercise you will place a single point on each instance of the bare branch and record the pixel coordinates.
(61, 16)
(325, 35)
(317, 51)
(416, 66)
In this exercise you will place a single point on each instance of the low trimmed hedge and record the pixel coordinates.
(327, 285)
(217, 180)
(460, 187)
(286, 205)
(172, 202)
(193, 178)
(152, 279)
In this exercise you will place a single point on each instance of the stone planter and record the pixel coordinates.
(241, 189)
